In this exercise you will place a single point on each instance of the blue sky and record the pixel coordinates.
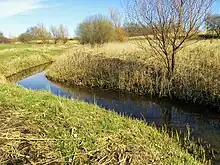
(17, 15)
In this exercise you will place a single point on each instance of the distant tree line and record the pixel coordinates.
(136, 30)
(213, 24)
(42, 34)
(99, 29)
(3, 39)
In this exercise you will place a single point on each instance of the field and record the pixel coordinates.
(125, 67)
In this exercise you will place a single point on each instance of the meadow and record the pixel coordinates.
(126, 67)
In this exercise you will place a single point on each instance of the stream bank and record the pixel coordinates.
(150, 109)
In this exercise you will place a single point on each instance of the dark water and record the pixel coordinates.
(205, 126)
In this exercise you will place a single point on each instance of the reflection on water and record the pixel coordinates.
(28, 72)
(204, 126)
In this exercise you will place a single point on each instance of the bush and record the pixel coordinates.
(120, 34)
(59, 33)
(213, 24)
(4, 40)
(38, 32)
(95, 30)
(74, 38)
(41, 33)
(25, 37)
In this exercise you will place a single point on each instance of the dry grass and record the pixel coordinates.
(126, 67)
(2, 79)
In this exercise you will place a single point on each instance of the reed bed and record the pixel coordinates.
(126, 67)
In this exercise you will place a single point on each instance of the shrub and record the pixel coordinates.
(213, 24)
(42, 33)
(95, 30)
(25, 37)
(116, 19)
(120, 34)
(60, 33)
(38, 32)
(3, 39)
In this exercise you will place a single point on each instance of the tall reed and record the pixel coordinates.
(195, 80)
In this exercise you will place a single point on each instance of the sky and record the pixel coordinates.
(17, 15)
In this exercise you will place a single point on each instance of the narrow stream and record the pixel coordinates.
(205, 126)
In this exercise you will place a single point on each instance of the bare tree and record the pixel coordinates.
(59, 33)
(172, 23)
(41, 33)
(55, 33)
(64, 34)
(116, 17)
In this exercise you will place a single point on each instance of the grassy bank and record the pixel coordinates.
(17, 57)
(38, 127)
(127, 68)
(2, 79)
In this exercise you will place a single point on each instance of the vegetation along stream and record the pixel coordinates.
(205, 126)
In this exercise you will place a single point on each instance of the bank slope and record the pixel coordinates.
(16, 58)
(38, 127)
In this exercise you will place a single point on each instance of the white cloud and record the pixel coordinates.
(14, 7)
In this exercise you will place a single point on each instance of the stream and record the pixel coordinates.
(205, 126)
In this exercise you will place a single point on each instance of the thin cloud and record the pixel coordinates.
(14, 7)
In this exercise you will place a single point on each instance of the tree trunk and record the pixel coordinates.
(173, 63)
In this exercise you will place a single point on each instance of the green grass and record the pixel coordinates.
(17, 57)
(9, 46)
(126, 67)
(40, 128)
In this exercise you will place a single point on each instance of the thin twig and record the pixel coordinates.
(26, 139)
